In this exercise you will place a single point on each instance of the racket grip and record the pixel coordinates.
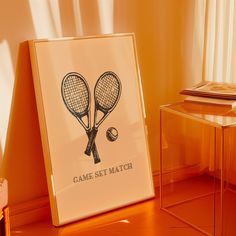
(96, 157)
(94, 150)
(91, 141)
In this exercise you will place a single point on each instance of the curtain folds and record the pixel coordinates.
(219, 65)
(220, 35)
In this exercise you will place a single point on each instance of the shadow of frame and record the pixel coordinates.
(23, 164)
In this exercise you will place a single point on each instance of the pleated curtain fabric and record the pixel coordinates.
(220, 37)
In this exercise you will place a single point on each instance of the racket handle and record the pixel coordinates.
(95, 154)
(94, 150)
(91, 141)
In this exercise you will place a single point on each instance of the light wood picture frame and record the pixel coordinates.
(91, 115)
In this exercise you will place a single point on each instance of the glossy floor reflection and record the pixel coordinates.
(144, 218)
(200, 204)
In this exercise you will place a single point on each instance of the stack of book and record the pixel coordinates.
(4, 210)
(223, 94)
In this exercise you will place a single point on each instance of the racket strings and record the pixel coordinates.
(76, 94)
(107, 91)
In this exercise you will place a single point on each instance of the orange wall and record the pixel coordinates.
(168, 59)
(169, 48)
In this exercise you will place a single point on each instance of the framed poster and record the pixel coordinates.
(92, 126)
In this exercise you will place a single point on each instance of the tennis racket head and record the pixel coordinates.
(107, 91)
(76, 94)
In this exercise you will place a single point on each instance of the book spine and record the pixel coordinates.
(6, 221)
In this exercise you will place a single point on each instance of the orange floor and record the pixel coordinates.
(144, 218)
(197, 200)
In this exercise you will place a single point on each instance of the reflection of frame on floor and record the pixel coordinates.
(92, 124)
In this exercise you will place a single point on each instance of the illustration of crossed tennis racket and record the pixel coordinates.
(76, 96)
(107, 92)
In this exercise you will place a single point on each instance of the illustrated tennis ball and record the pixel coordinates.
(112, 134)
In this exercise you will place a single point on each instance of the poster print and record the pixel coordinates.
(92, 126)
(76, 96)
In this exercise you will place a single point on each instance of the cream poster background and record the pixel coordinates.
(67, 139)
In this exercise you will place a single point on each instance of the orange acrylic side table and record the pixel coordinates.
(198, 166)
